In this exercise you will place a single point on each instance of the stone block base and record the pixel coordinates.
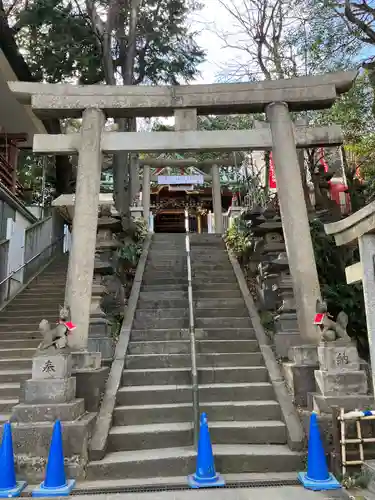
(99, 327)
(300, 380)
(304, 354)
(287, 322)
(284, 341)
(48, 391)
(338, 356)
(31, 442)
(323, 404)
(47, 412)
(90, 386)
(85, 360)
(337, 384)
(104, 345)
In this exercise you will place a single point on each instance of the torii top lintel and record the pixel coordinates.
(302, 93)
(348, 230)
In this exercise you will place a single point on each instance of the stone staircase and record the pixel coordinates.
(19, 334)
(152, 431)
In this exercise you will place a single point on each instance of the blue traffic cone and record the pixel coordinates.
(317, 477)
(55, 483)
(205, 475)
(9, 487)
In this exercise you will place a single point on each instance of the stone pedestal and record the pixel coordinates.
(49, 395)
(136, 212)
(286, 324)
(339, 377)
(100, 339)
(299, 372)
(270, 243)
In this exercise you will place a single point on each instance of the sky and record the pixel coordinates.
(211, 17)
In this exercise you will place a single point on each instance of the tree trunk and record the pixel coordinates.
(122, 161)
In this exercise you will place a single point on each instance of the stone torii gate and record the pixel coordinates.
(275, 98)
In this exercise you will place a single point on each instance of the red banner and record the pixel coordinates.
(271, 174)
(323, 160)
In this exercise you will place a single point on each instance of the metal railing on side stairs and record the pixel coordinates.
(193, 350)
(10, 285)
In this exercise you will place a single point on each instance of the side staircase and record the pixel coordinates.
(152, 433)
(19, 334)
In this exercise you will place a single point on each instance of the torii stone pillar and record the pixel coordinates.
(82, 255)
(216, 199)
(146, 194)
(295, 220)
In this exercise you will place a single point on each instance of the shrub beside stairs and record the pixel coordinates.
(152, 433)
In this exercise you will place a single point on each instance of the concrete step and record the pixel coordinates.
(212, 303)
(151, 436)
(153, 334)
(9, 390)
(13, 375)
(209, 286)
(161, 313)
(40, 296)
(37, 300)
(228, 312)
(183, 347)
(45, 288)
(7, 404)
(223, 322)
(182, 376)
(16, 363)
(212, 265)
(22, 325)
(19, 344)
(144, 361)
(168, 394)
(4, 417)
(172, 253)
(58, 280)
(25, 319)
(163, 287)
(200, 282)
(163, 303)
(171, 434)
(183, 412)
(163, 296)
(161, 323)
(155, 322)
(165, 274)
(209, 294)
(181, 461)
(24, 332)
(151, 280)
(13, 354)
(40, 309)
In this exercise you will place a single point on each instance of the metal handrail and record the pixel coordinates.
(31, 260)
(193, 350)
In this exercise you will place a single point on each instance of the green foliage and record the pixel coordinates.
(166, 49)
(331, 261)
(141, 230)
(323, 40)
(131, 248)
(129, 255)
(352, 111)
(238, 239)
(30, 170)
